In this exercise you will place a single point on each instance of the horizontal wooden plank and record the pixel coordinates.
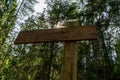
(55, 35)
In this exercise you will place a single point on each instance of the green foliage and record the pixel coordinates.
(9, 60)
(7, 18)
(117, 62)
(59, 10)
(97, 60)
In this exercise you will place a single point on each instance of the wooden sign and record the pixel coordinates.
(69, 35)
(55, 35)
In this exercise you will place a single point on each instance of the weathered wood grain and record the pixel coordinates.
(55, 35)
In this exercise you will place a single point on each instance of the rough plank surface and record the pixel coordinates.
(55, 35)
(69, 65)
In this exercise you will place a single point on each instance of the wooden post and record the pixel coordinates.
(69, 66)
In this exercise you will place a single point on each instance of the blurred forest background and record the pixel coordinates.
(97, 60)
